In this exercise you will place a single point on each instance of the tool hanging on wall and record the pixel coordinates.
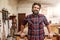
(4, 18)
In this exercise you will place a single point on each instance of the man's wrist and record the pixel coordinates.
(51, 33)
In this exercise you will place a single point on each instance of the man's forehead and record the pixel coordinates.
(36, 5)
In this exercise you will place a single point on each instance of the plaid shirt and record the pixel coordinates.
(35, 26)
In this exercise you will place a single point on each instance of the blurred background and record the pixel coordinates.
(18, 9)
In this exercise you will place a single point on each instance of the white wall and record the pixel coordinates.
(1, 27)
(10, 5)
(24, 7)
(54, 13)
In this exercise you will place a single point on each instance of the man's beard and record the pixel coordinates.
(35, 12)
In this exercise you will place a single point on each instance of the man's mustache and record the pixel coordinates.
(36, 11)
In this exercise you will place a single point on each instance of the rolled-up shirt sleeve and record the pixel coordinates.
(45, 21)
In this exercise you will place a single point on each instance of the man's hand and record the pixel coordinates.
(50, 35)
(22, 35)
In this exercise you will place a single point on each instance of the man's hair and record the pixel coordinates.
(36, 4)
